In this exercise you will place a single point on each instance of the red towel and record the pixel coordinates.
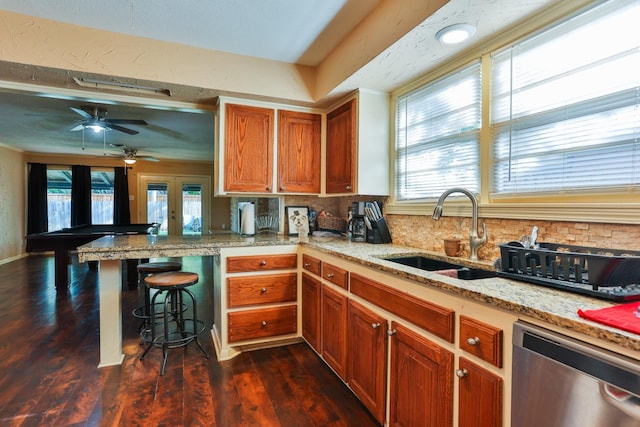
(624, 316)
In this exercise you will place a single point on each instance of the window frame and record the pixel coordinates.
(590, 206)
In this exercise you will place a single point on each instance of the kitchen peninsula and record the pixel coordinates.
(525, 301)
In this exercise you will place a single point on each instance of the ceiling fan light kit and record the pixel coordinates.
(95, 118)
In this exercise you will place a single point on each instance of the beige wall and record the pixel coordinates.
(12, 204)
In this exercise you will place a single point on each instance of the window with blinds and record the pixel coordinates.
(565, 105)
(437, 136)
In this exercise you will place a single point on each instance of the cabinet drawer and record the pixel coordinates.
(433, 318)
(261, 323)
(236, 264)
(251, 290)
(311, 264)
(482, 340)
(336, 275)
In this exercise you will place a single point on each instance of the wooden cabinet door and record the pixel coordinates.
(248, 149)
(367, 372)
(341, 149)
(421, 381)
(298, 152)
(311, 294)
(334, 330)
(480, 400)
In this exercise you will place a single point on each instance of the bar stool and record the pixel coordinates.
(172, 286)
(143, 312)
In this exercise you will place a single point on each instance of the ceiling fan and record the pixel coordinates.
(94, 118)
(130, 155)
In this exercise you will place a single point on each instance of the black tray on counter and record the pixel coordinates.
(610, 274)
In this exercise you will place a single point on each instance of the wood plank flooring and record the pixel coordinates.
(49, 376)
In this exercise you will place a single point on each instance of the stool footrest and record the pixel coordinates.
(177, 337)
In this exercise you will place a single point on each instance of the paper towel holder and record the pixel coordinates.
(246, 219)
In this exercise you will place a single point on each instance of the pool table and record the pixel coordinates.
(68, 239)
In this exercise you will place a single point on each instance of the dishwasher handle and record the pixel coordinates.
(624, 401)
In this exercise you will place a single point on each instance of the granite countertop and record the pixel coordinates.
(527, 300)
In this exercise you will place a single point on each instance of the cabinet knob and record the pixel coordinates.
(330, 276)
(264, 323)
(307, 264)
(473, 341)
(348, 188)
(282, 188)
(263, 262)
(391, 332)
(375, 325)
(461, 373)
(263, 290)
(268, 188)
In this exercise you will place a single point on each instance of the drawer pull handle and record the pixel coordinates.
(307, 264)
(264, 323)
(391, 332)
(263, 262)
(263, 290)
(461, 373)
(330, 276)
(375, 325)
(473, 341)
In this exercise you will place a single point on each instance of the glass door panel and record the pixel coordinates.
(191, 209)
(157, 205)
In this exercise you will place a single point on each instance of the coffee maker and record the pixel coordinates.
(357, 225)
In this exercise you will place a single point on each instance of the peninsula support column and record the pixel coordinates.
(110, 286)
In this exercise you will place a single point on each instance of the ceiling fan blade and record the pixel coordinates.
(77, 127)
(148, 158)
(126, 121)
(81, 112)
(122, 129)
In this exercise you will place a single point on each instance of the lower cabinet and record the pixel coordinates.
(421, 384)
(311, 294)
(334, 330)
(398, 351)
(367, 366)
(480, 399)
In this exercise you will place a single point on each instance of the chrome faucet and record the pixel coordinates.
(475, 242)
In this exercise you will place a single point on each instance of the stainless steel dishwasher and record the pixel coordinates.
(562, 382)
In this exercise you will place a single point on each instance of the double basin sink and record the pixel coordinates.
(462, 272)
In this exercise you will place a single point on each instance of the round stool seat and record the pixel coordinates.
(171, 280)
(159, 267)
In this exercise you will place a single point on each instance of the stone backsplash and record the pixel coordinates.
(422, 232)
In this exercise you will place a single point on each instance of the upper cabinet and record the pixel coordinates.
(357, 145)
(352, 157)
(341, 146)
(248, 154)
(299, 150)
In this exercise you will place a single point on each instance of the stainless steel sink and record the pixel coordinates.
(429, 264)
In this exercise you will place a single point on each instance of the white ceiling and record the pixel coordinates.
(292, 31)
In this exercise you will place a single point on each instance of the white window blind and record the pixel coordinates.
(566, 105)
(437, 136)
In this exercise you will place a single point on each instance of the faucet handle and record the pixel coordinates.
(484, 233)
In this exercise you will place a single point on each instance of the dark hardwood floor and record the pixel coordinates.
(49, 375)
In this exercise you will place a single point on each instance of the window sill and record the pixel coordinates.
(628, 213)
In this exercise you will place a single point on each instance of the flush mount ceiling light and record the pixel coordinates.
(456, 33)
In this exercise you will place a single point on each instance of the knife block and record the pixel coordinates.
(379, 232)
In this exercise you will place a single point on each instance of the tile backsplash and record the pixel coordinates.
(422, 232)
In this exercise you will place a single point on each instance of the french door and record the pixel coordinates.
(180, 204)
